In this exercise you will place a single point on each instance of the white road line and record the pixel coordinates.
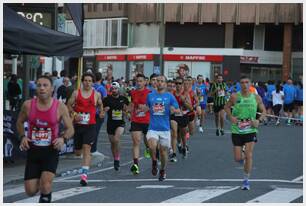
(279, 195)
(62, 194)
(13, 191)
(154, 186)
(183, 180)
(198, 196)
(298, 179)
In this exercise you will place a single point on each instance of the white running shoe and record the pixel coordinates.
(201, 130)
(96, 153)
(198, 122)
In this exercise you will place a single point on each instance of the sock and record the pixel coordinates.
(45, 198)
(85, 169)
(246, 176)
(136, 161)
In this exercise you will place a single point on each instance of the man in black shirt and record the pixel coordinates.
(116, 106)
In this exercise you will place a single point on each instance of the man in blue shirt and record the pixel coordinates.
(160, 103)
(269, 104)
(299, 101)
(289, 97)
(99, 121)
(202, 92)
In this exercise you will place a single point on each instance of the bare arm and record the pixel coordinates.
(69, 130)
(228, 106)
(22, 117)
(71, 102)
(261, 108)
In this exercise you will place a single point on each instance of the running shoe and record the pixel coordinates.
(83, 180)
(173, 157)
(147, 153)
(289, 122)
(198, 122)
(179, 148)
(222, 132)
(154, 170)
(116, 165)
(277, 123)
(245, 185)
(218, 132)
(135, 169)
(201, 130)
(162, 175)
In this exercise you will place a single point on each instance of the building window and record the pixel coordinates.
(274, 35)
(243, 36)
(297, 38)
(104, 7)
(110, 7)
(120, 6)
(94, 7)
(89, 6)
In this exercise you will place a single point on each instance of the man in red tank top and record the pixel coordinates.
(82, 105)
(139, 119)
(42, 141)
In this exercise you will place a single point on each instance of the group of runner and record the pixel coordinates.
(163, 114)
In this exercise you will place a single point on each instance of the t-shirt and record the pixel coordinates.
(116, 105)
(220, 95)
(159, 104)
(277, 97)
(289, 92)
(299, 93)
(101, 89)
(140, 97)
(270, 89)
(203, 93)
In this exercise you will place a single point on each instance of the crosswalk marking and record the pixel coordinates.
(13, 191)
(279, 195)
(62, 194)
(198, 196)
(154, 186)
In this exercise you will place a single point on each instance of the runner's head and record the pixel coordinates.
(182, 70)
(190, 80)
(153, 80)
(115, 89)
(219, 78)
(140, 81)
(170, 87)
(186, 84)
(245, 83)
(66, 81)
(179, 83)
(161, 83)
(200, 79)
(289, 81)
(44, 87)
(87, 80)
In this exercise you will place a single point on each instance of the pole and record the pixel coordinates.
(80, 70)
(55, 28)
(14, 64)
(161, 38)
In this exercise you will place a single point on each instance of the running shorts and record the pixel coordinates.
(139, 127)
(164, 137)
(112, 127)
(84, 134)
(241, 139)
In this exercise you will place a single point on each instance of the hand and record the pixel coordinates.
(24, 144)
(106, 109)
(58, 143)
(78, 118)
(177, 111)
(255, 123)
(101, 114)
(234, 120)
(142, 107)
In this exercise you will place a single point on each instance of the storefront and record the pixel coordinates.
(206, 65)
(118, 62)
(140, 63)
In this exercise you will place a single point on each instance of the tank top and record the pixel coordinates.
(43, 125)
(86, 108)
(140, 97)
(180, 103)
(244, 110)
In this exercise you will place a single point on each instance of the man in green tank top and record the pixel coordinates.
(241, 109)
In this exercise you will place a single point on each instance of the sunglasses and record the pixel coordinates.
(244, 82)
(178, 83)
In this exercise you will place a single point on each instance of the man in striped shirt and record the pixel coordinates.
(218, 91)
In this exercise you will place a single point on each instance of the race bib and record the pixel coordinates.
(85, 118)
(244, 125)
(158, 109)
(140, 114)
(221, 93)
(41, 136)
(116, 114)
(201, 98)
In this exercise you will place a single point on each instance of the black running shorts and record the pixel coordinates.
(241, 139)
(40, 159)
(112, 126)
(141, 127)
(218, 108)
(288, 107)
(182, 121)
(84, 134)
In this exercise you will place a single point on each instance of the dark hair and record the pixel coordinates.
(244, 77)
(300, 84)
(207, 80)
(200, 75)
(46, 77)
(13, 78)
(161, 75)
(278, 88)
(140, 75)
(153, 76)
(54, 73)
(98, 76)
(179, 78)
(63, 73)
(170, 81)
(88, 75)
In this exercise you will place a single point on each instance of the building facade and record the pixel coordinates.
(264, 41)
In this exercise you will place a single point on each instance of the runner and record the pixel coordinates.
(153, 82)
(278, 101)
(42, 142)
(82, 105)
(116, 107)
(194, 102)
(218, 91)
(244, 125)
(182, 118)
(290, 93)
(160, 103)
(140, 120)
(202, 92)
(173, 126)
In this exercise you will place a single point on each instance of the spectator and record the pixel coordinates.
(59, 82)
(289, 97)
(277, 101)
(14, 91)
(54, 76)
(63, 91)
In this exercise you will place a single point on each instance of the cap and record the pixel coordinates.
(115, 84)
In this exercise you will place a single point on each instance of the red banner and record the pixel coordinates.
(183, 57)
(110, 57)
(140, 57)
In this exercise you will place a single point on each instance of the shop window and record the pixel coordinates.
(274, 37)
(297, 38)
(243, 36)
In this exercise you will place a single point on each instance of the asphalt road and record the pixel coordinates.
(209, 174)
